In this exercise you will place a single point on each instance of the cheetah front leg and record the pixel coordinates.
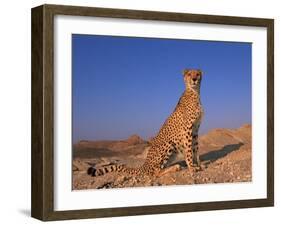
(188, 150)
(195, 147)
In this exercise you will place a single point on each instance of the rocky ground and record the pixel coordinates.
(225, 157)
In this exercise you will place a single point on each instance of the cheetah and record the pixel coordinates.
(179, 133)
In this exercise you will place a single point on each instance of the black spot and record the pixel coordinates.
(106, 170)
(120, 167)
(91, 171)
(100, 172)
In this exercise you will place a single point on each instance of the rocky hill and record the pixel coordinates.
(225, 155)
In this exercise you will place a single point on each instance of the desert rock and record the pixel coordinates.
(225, 156)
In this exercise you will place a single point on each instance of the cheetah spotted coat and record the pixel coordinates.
(179, 133)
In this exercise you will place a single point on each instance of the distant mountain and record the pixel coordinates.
(220, 137)
(113, 145)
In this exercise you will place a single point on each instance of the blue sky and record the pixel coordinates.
(124, 86)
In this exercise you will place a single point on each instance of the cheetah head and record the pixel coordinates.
(192, 78)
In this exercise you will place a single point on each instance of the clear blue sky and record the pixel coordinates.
(124, 86)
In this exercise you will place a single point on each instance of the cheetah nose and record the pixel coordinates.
(194, 79)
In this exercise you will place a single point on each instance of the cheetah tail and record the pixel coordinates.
(111, 168)
(103, 170)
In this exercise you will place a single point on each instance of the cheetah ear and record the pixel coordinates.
(200, 71)
(184, 72)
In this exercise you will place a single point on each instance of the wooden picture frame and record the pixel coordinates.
(42, 204)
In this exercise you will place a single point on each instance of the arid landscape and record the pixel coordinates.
(225, 157)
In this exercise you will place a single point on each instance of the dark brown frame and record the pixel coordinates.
(42, 203)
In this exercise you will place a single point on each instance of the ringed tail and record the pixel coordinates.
(116, 168)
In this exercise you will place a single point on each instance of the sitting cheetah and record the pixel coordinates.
(178, 134)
